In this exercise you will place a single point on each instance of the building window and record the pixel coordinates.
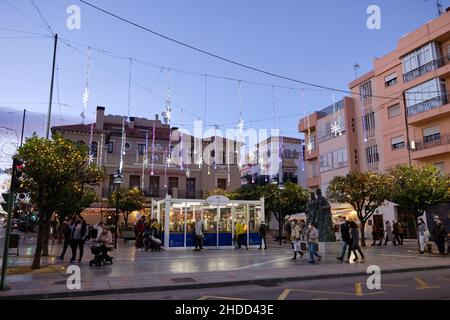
(153, 189)
(190, 188)
(426, 96)
(222, 184)
(421, 61)
(110, 147)
(440, 166)
(326, 162)
(370, 120)
(340, 158)
(135, 182)
(390, 80)
(365, 91)
(372, 154)
(394, 111)
(397, 143)
(173, 183)
(94, 149)
(141, 148)
(431, 134)
(313, 168)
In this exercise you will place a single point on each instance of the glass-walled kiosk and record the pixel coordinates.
(177, 218)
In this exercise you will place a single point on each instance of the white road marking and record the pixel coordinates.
(259, 264)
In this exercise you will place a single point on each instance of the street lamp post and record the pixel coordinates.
(118, 179)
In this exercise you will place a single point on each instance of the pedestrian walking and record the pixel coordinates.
(346, 239)
(240, 234)
(139, 230)
(439, 234)
(312, 236)
(396, 232)
(79, 235)
(199, 229)
(263, 231)
(296, 239)
(401, 233)
(288, 230)
(388, 236)
(356, 248)
(375, 234)
(67, 232)
(422, 233)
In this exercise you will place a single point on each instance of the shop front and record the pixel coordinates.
(178, 216)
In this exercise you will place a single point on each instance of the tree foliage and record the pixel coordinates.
(418, 188)
(52, 169)
(365, 192)
(129, 200)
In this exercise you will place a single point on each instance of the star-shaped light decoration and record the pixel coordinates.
(241, 125)
(188, 173)
(199, 162)
(336, 129)
(85, 96)
(169, 161)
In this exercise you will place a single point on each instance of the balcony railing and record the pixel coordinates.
(435, 141)
(428, 67)
(424, 106)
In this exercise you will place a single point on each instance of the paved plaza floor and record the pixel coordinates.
(135, 271)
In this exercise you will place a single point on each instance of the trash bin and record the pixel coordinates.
(14, 242)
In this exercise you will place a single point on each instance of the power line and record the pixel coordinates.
(223, 58)
(42, 16)
(25, 15)
(24, 32)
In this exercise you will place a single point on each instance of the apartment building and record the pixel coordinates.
(191, 182)
(400, 115)
(288, 152)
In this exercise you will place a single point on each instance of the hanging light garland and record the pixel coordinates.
(181, 142)
(336, 126)
(122, 145)
(153, 149)
(100, 158)
(91, 138)
(86, 93)
(145, 161)
(168, 118)
(363, 118)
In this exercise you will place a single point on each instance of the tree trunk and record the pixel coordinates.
(45, 238)
(37, 254)
(363, 238)
(125, 218)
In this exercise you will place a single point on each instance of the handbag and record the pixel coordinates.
(303, 246)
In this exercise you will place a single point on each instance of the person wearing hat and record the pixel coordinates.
(439, 234)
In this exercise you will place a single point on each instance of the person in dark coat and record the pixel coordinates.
(439, 234)
(67, 232)
(263, 231)
(346, 239)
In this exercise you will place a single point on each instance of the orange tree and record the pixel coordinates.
(51, 166)
(365, 192)
(418, 188)
(129, 201)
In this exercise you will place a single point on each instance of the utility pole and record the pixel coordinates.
(408, 141)
(51, 88)
(23, 126)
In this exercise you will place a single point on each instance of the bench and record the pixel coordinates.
(128, 235)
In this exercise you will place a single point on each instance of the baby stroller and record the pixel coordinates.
(100, 259)
(151, 242)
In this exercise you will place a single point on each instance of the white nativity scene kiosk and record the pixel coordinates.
(219, 215)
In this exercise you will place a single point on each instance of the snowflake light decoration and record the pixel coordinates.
(146, 162)
(241, 125)
(168, 114)
(336, 129)
(309, 147)
(169, 161)
(91, 158)
(188, 173)
(199, 162)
